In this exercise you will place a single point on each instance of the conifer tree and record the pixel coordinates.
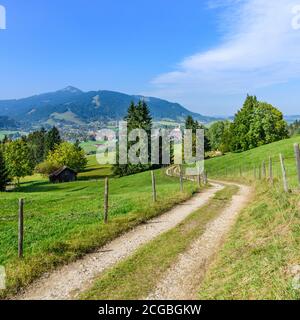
(52, 139)
(138, 117)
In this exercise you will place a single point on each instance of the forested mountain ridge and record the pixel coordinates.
(73, 105)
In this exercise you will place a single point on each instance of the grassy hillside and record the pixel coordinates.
(89, 146)
(261, 258)
(64, 221)
(94, 170)
(232, 162)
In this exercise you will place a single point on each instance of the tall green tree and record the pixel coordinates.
(267, 126)
(17, 159)
(36, 142)
(53, 139)
(138, 117)
(241, 125)
(219, 136)
(4, 177)
(256, 124)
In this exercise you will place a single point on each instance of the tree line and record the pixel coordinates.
(41, 151)
(255, 124)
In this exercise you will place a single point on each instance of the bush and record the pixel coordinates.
(45, 168)
(65, 154)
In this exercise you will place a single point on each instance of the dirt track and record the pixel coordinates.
(70, 280)
(183, 279)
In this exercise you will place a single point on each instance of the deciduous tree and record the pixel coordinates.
(17, 159)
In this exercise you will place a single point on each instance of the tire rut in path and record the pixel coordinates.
(183, 279)
(68, 281)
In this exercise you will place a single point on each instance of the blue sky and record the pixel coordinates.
(205, 54)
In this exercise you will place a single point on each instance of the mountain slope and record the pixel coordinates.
(7, 123)
(89, 106)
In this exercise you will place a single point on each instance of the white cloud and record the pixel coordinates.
(260, 48)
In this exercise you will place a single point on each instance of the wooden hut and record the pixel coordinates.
(64, 174)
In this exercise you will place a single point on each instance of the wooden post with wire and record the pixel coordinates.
(284, 175)
(271, 179)
(153, 186)
(106, 193)
(264, 170)
(181, 178)
(199, 179)
(297, 156)
(21, 229)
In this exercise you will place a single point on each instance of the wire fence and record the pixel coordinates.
(273, 168)
(31, 222)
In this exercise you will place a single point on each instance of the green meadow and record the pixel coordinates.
(229, 166)
(65, 221)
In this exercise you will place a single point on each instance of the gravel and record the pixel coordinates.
(68, 281)
(183, 280)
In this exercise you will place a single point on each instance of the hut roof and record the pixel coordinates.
(59, 171)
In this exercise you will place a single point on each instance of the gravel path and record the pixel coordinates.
(68, 281)
(183, 279)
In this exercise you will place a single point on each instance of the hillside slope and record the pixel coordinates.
(231, 163)
(261, 257)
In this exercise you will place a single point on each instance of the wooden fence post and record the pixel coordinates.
(297, 156)
(199, 180)
(21, 228)
(181, 178)
(153, 186)
(284, 176)
(259, 172)
(106, 192)
(205, 177)
(264, 170)
(271, 170)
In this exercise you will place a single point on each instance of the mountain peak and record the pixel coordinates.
(71, 90)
